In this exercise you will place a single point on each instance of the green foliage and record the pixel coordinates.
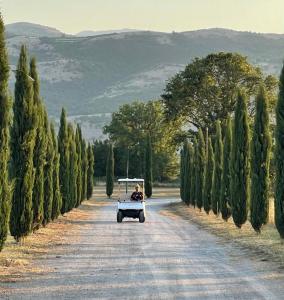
(57, 198)
(78, 143)
(218, 169)
(84, 159)
(279, 159)
(210, 165)
(182, 159)
(129, 129)
(110, 171)
(193, 173)
(48, 173)
(39, 150)
(260, 162)
(63, 147)
(205, 91)
(148, 167)
(23, 141)
(200, 168)
(187, 172)
(90, 173)
(5, 120)
(225, 197)
(240, 168)
(72, 168)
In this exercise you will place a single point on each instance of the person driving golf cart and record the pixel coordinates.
(137, 195)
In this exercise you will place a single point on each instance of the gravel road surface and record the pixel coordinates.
(165, 258)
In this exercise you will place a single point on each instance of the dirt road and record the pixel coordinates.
(165, 258)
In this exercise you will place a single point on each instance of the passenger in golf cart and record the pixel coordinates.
(137, 195)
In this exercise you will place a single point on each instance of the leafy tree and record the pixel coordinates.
(210, 165)
(217, 177)
(187, 172)
(110, 171)
(205, 91)
(79, 165)
(63, 147)
(200, 168)
(57, 198)
(148, 168)
(39, 150)
(193, 172)
(240, 162)
(73, 168)
(48, 173)
(279, 159)
(90, 173)
(225, 197)
(23, 142)
(5, 122)
(260, 161)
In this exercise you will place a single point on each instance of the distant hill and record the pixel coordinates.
(94, 33)
(32, 30)
(92, 76)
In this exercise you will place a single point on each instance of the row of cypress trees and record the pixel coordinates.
(232, 177)
(42, 175)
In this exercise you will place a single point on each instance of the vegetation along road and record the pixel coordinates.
(167, 257)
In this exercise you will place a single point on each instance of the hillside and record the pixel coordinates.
(94, 75)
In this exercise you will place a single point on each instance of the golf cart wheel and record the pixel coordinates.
(141, 217)
(119, 217)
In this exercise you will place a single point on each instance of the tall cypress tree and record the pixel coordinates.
(48, 173)
(260, 162)
(210, 164)
(187, 173)
(5, 121)
(200, 169)
(109, 171)
(39, 150)
(90, 173)
(279, 159)
(73, 168)
(217, 177)
(84, 169)
(63, 147)
(57, 199)
(148, 168)
(79, 165)
(23, 142)
(193, 170)
(182, 154)
(240, 162)
(225, 197)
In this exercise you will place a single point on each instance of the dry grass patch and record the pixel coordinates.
(267, 246)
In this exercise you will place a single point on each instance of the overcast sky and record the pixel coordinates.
(72, 16)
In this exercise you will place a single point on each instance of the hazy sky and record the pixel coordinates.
(72, 16)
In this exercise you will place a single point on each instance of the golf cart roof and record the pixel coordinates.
(130, 180)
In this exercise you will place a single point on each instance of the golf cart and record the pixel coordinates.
(126, 205)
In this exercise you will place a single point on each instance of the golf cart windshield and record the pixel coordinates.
(128, 186)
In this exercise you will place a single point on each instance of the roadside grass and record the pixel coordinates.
(266, 246)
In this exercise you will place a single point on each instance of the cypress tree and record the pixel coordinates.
(279, 159)
(260, 162)
(148, 168)
(79, 165)
(187, 173)
(63, 147)
(240, 162)
(217, 177)
(210, 164)
(5, 120)
(73, 168)
(39, 150)
(182, 154)
(200, 169)
(90, 173)
(109, 171)
(57, 199)
(23, 142)
(225, 198)
(48, 173)
(193, 170)
(84, 169)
